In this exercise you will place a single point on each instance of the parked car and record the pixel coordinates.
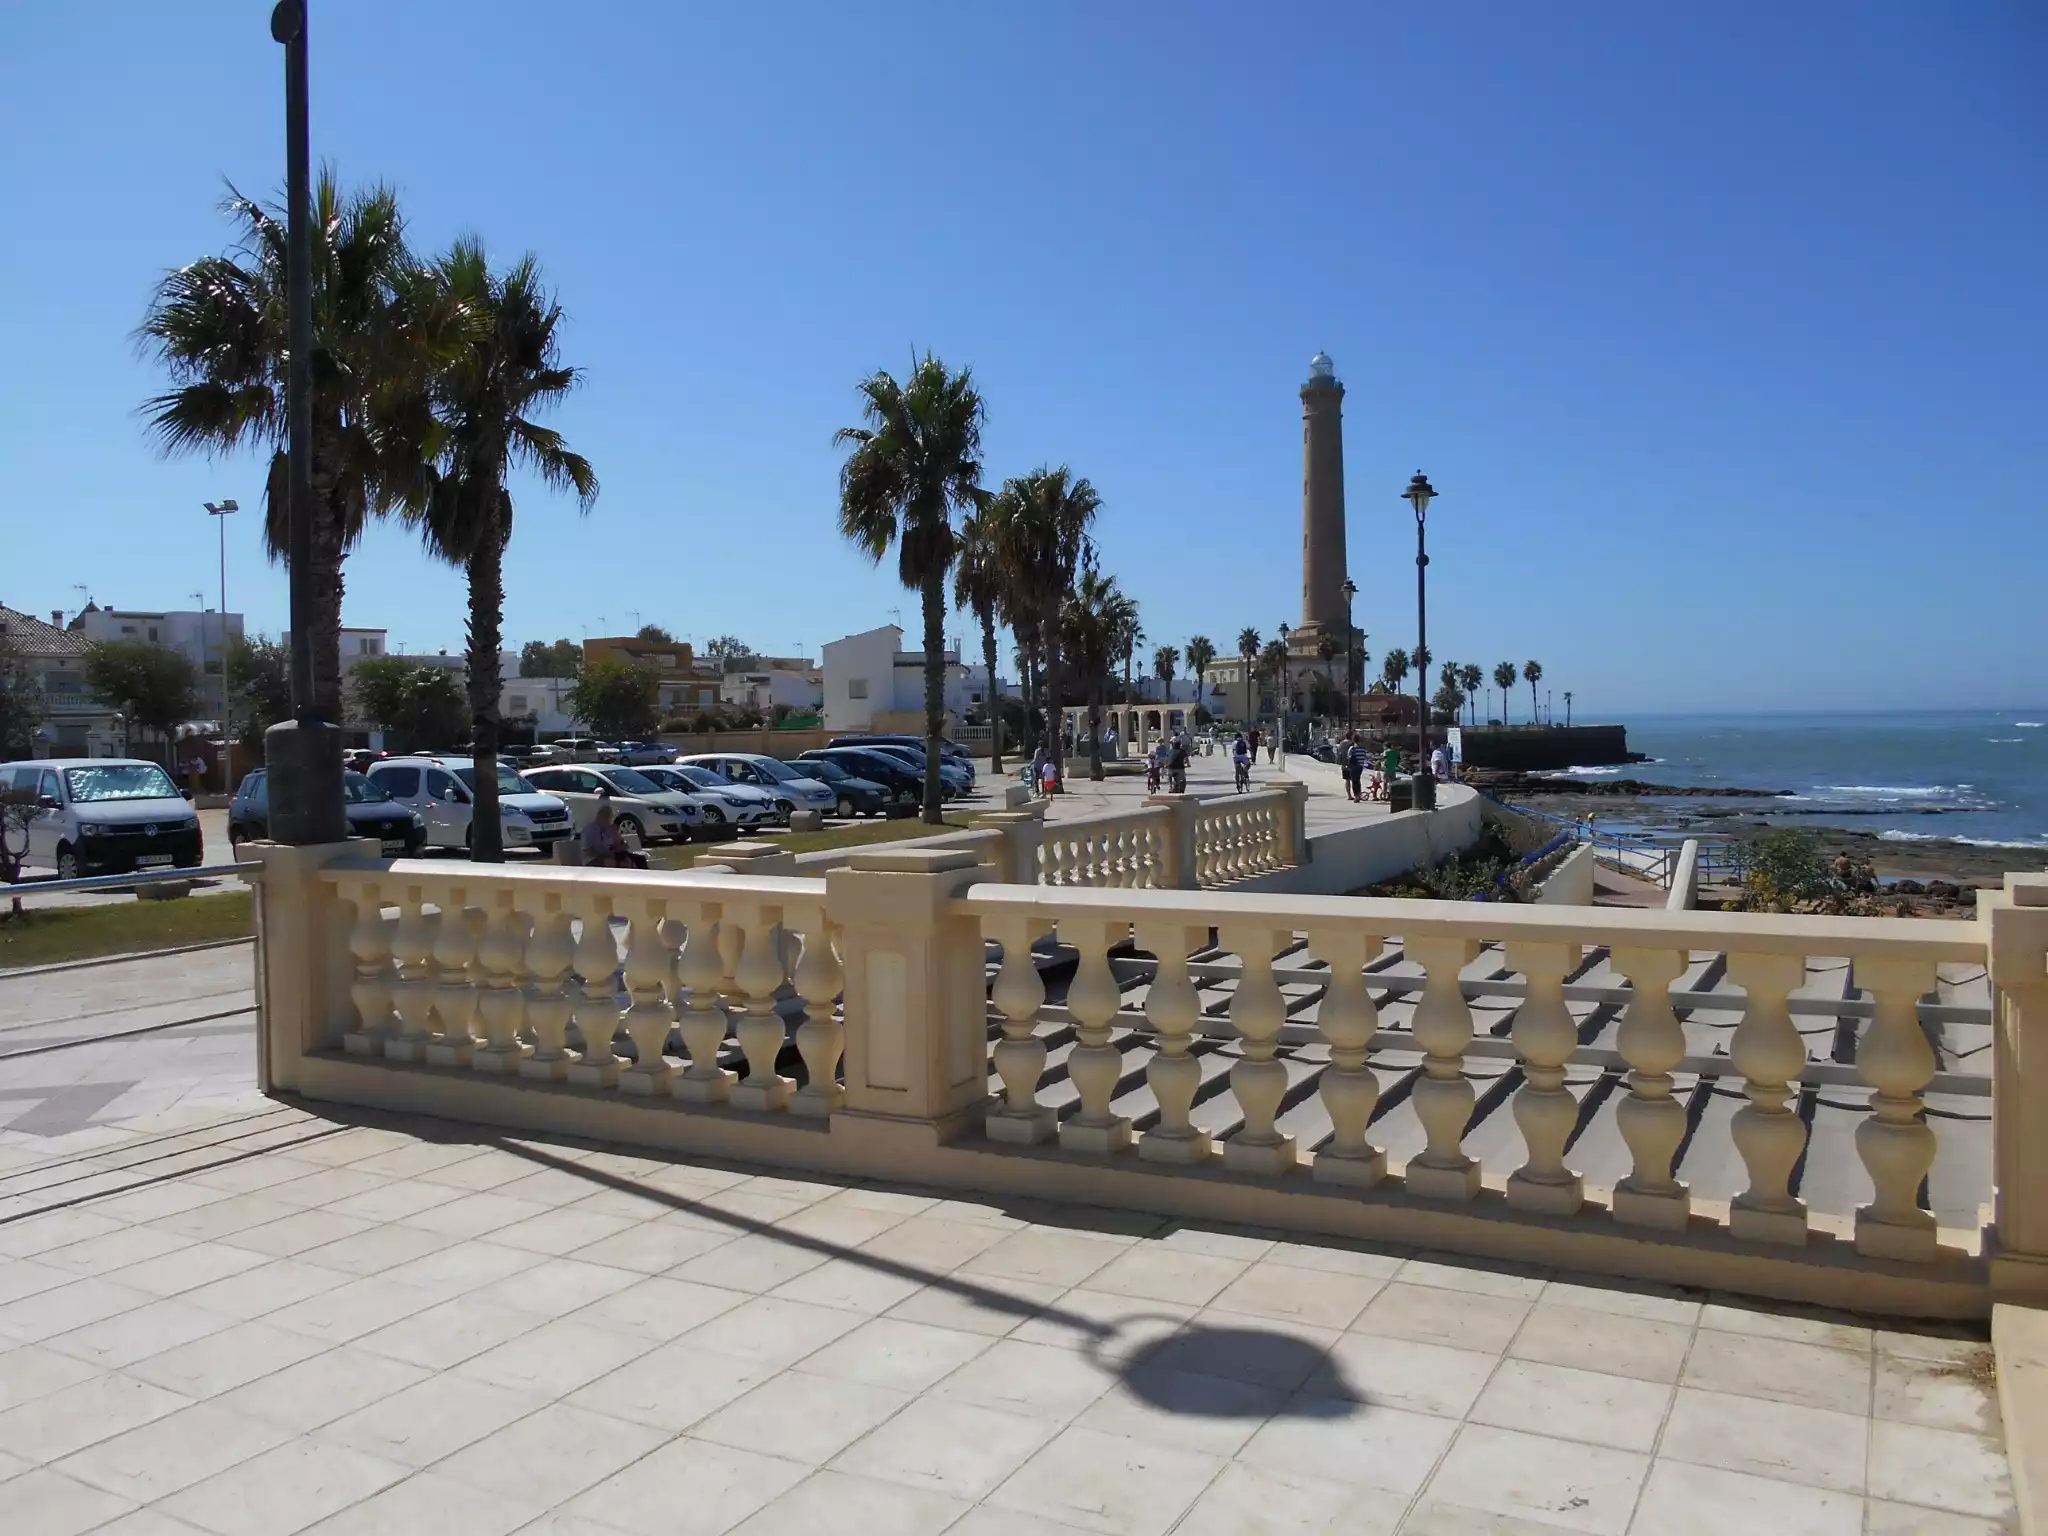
(399, 829)
(952, 781)
(852, 795)
(641, 753)
(645, 811)
(791, 790)
(584, 749)
(443, 791)
(722, 804)
(951, 751)
(105, 816)
(359, 759)
(904, 785)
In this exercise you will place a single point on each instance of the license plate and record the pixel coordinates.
(391, 847)
(153, 861)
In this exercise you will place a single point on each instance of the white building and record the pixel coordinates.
(75, 724)
(873, 684)
(202, 636)
(542, 699)
(767, 688)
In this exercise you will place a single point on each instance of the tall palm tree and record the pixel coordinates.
(1165, 665)
(1394, 669)
(1532, 674)
(1030, 665)
(1096, 619)
(1504, 675)
(1273, 664)
(1470, 680)
(1201, 651)
(1248, 651)
(978, 586)
(917, 459)
(1132, 636)
(219, 328)
(508, 370)
(1042, 522)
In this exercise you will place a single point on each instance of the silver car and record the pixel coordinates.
(719, 803)
(791, 790)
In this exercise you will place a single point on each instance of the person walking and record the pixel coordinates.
(1356, 762)
(1036, 771)
(1253, 741)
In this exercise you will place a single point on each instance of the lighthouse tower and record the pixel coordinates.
(1322, 507)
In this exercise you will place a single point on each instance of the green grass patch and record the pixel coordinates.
(53, 935)
(857, 835)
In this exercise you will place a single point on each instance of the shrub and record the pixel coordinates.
(1783, 867)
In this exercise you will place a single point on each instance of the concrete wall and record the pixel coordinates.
(1571, 883)
(1352, 857)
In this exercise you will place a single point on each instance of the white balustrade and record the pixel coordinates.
(1770, 1136)
(1895, 1143)
(649, 976)
(500, 999)
(821, 1038)
(1442, 1097)
(371, 990)
(701, 1020)
(1171, 1008)
(1348, 1020)
(1019, 1057)
(1545, 1110)
(1650, 1120)
(1259, 1081)
(455, 944)
(595, 998)
(550, 953)
(1094, 1064)
(756, 976)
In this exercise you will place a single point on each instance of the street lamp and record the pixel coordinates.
(1419, 495)
(220, 512)
(1350, 590)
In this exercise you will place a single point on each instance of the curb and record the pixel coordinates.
(139, 954)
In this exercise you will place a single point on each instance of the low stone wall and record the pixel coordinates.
(1571, 883)
(771, 743)
(1350, 858)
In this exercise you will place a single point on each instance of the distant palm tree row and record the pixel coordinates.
(427, 377)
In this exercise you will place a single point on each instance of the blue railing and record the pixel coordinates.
(1642, 856)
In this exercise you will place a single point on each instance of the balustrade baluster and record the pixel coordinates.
(596, 997)
(1050, 851)
(1257, 1080)
(1545, 1035)
(1094, 1065)
(650, 964)
(1650, 1120)
(455, 946)
(1442, 1097)
(702, 1019)
(821, 1038)
(1347, 1019)
(550, 952)
(500, 1000)
(760, 1029)
(1895, 1143)
(369, 941)
(1173, 1006)
(1019, 1056)
(1768, 1052)
(412, 946)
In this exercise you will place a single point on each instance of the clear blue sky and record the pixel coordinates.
(1721, 329)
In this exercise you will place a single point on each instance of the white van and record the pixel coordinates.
(442, 789)
(104, 816)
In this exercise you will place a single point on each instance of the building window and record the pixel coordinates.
(856, 687)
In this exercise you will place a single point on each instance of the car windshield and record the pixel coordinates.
(357, 790)
(121, 781)
(702, 777)
(820, 768)
(633, 783)
(781, 773)
(509, 783)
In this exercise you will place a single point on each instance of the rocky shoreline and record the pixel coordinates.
(1545, 784)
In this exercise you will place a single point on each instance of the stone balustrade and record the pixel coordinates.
(1246, 835)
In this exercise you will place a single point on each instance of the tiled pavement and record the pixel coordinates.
(257, 1319)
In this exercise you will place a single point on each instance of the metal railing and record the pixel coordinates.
(140, 877)
(1640, 855)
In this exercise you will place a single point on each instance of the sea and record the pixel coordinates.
(1970, 776)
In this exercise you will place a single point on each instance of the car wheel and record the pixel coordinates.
(845, 809)
(713, 816)
(905, 797)
(629, 826)
(67, 864)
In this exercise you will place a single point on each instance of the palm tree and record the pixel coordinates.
(1201, 652)
(1248, 650)
(485, 398)
(1273, 664)
(1132, 636)
(1165, 665)
(978, 586)
(1030, 665)
(1096, 619)
(1532, 674)
(917, 459)
(1504, 676)
(219, 328)
(1470, 680)
(1394, 669)
(1041, 525)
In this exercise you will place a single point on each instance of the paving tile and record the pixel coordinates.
(1610, 1343)
(886, 1352)
(1241, 1348)
(837, 1504)
(1042, 1257)
(219, 1218)
(96, 1409)
(1784, 1321)
(1813, 1446)
(851, 1284)
(1438, 1517)
(29, 1277)
(652, 1247)
(1335, 1256)
(382, 1248)
(1685, 1500)
(1381, 1447)
(933, 1244)
(771, 1332)
(757, 1263)
(987, 1520)
(324, 1388)
(555, 1287)
(839, 1224)
(1156, 1272)
(556, 1358)
(557, 1232)
(146, 1522)
(1433, 1315)
(1283, 1292)
(1533, 1477)
(129, 1336)
(1881, 1517)
(672, 1387)
(1486, 1277)
(265, 1288)
(394, 1198)
(54, 1229)
(1402, 1373)
(179, 1449)
(113, 1250)
(955, 1448)
(1271, 1501)
(296, 1233)
(47, 1503)
(464, 1269)
(981, 1304)
(1028, 1378)
(1178, 1408)
(488, 1170)
(422, 1423)
(417, 1158)
(1615, 1411)
(425, 1503)
(805, 1418)
(1964, 1474)
(1937, 1394)
(30, 1371)
(660, 1308)
(448, 1334)
(1785, 1372)
(552, 1455)
(63, 1308)
(549, 1186)
(1957, 1348)
(1123, 1329)
(688, 1488)
(222, 1361)
(1107, 1483)
(283, 1490)
(350, 1311)
(471, 1215)
(1626, 1298)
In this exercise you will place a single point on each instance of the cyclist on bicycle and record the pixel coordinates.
(1241, 758)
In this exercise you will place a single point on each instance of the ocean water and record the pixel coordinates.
(1975, 776)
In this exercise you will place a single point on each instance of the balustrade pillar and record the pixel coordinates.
(1650, 1120)
(756, 976)
(1258, 1080)
(1172, 1007)
(455, 945)
(1767, 1132)
(369, 942)
(1094, 1065)
(1895, 1142)
(550, 953)
(821, 1038)
(1018, 994)
(1442, 1097)
(702, 1020)
(500, 1000)
(2014, 923)
(1545, 1110)
(1348, 1020)
(412, 946)
(596, 997)
(649, 972)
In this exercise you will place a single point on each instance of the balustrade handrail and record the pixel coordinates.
(585, 880)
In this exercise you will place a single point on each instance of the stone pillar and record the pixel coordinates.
(916, 1009)
(1294, 825)
(751, 858)
(1022, 831)
(1177, 867)
(2015, 925)
(303, 965)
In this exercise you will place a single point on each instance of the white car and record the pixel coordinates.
(643, 810)
(103, 815)
(721, 804)
(791, 790)
(442, 791)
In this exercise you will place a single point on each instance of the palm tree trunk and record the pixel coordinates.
(1049, 683)
(934, 688)
(486, 621)
(995, 713)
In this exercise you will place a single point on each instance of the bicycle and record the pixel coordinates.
(1244, 776)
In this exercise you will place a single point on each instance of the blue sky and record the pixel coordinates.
(1719, 329)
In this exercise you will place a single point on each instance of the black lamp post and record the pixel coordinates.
(1286, 681)
(1350, 590)
(1419, 495)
